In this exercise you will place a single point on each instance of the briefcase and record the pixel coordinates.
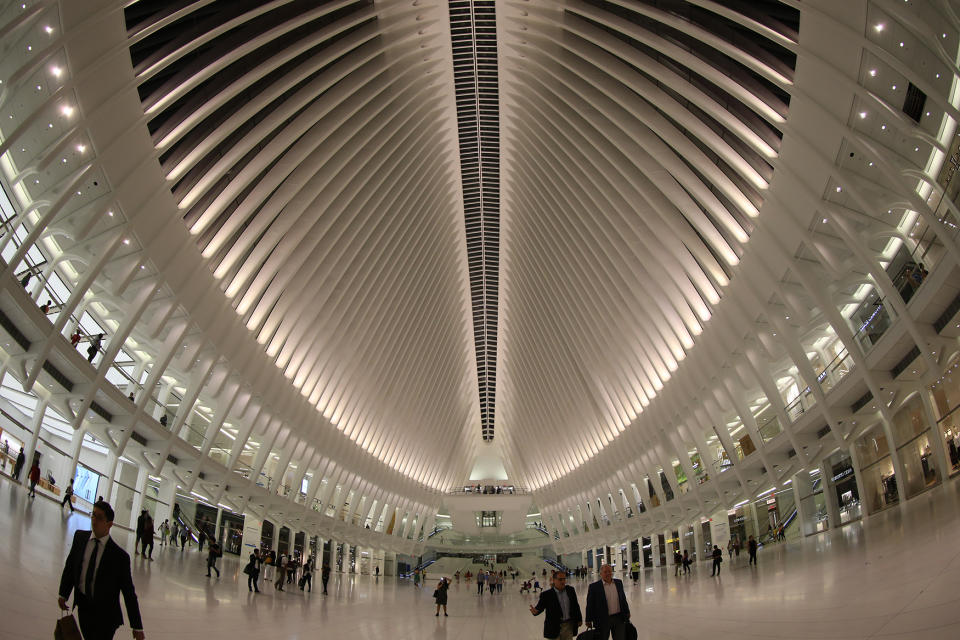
(589, 634)
(67, 629)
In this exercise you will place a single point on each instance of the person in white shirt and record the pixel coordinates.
(607, 608)
(97, 572)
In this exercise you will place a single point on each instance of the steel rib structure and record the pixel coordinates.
(655, 220)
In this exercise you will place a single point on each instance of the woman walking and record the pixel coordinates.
(281, 572)
(440, 595)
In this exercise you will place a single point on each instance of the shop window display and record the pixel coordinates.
(879, 479)
(844, 483)
(911, 432)
(946, 398)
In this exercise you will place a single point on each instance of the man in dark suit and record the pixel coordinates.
(607, 608)
(563, 610)
(97, 571)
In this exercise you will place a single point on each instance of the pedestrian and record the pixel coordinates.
(481, 578)
(634, 571)
(266, 561)
(281, 572)
(75, 338)
(253, 571)
(45, 308)
(686, 561)
(607, 608)
(174, 533)
(730, 549)
(378, 571)
(325, 576)
(184, 536)
(68, 496)
(306, 579)
(536, 585)
(148, 529)
(736, 547)
(563, 610)
(717, 559)
(97, 588)
(18, 465)
(213, 552)
(677, 562)
(34, 478)
(164, 530)
(201, 536)
(500, 582)
(752, 550)
(440, 596)
(94, 348)
(25, 280)
(140, 546)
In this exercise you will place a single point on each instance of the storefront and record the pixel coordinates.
(231, 532)
(911, 431)
(946, 398)
(876, 470)
(843, 480)
(266, 535)
(813, 504)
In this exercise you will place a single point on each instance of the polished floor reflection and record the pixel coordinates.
(895, 576)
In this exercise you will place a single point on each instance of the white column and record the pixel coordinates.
(829, 496)
(30, 449)
(138, 495)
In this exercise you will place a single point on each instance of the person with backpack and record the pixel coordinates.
(253, 571)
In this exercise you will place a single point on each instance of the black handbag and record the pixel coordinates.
(589, 634)
(630, 631)
(67, 628)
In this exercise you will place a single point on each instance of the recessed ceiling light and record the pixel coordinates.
(863, 114)
(879, 27)
(49, 29)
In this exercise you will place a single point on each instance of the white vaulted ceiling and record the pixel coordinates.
(311, 150)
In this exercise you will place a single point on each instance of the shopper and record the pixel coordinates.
(717, 559)
(752, 550)
(440, 596)
(481, 578)
(686, 562)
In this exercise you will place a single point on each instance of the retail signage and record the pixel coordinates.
(843, 474)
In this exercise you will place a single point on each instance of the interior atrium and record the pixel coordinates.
(428, 287)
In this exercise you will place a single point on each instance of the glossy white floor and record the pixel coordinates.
(897, 575)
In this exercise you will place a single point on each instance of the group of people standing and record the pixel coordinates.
(493, 580)
(281, 570)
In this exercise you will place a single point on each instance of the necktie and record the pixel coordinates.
(91, 567)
